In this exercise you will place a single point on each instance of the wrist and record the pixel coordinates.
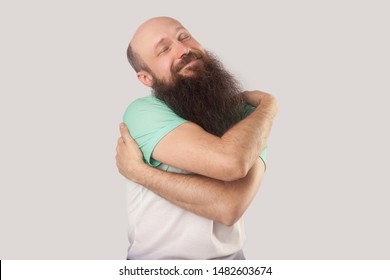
(269, 107)
(137, 173)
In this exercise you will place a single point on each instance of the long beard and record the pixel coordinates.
(210, 99)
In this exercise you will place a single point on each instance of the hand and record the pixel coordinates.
(258, 98)
(255, 97)
(129, 159)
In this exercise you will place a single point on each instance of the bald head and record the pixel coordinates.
(144, 35)
(152, 27)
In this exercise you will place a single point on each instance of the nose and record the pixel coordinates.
(182, 49)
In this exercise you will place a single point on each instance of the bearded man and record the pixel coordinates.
(199, 151)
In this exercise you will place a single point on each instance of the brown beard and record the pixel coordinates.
(210, 99)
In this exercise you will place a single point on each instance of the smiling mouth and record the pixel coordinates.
(188, 60)
(189, 64)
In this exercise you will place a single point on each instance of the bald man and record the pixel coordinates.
(199, 152)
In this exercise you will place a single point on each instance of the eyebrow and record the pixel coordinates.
(159, 43)
(180, 27)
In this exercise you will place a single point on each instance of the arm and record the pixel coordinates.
(226, 158)
(224, 202)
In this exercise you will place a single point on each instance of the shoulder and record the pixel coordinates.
(145, 104)
(149, 108)
(149, 120)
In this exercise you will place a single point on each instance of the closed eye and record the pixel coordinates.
(163, 50)
(184, 36)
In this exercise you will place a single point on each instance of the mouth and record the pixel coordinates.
(189, 60)
(191, 63)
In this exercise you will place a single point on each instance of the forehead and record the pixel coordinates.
(152, 32)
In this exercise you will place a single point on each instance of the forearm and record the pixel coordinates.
(217, 200)
(247, 138)
(226, 158)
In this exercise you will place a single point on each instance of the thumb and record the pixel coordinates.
(124, 132)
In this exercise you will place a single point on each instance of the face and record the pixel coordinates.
(164, 44)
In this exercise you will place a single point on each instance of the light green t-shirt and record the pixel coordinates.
(149, 120)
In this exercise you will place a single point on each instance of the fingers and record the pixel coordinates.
(124, 132)
(120, 142)
(125, 138)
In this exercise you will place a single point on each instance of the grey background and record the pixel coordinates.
(65, 84)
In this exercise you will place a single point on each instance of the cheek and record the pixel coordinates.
(163, 68)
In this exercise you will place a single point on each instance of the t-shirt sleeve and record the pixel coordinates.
(149, 120)
(263, 154)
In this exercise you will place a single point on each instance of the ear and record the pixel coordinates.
(145, 78)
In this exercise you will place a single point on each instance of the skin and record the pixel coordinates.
(161, 43)
(228, 169)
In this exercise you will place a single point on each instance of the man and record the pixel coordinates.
(197, 127)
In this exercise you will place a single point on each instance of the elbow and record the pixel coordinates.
(231, 215)
(232, 210)
(236, 169)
